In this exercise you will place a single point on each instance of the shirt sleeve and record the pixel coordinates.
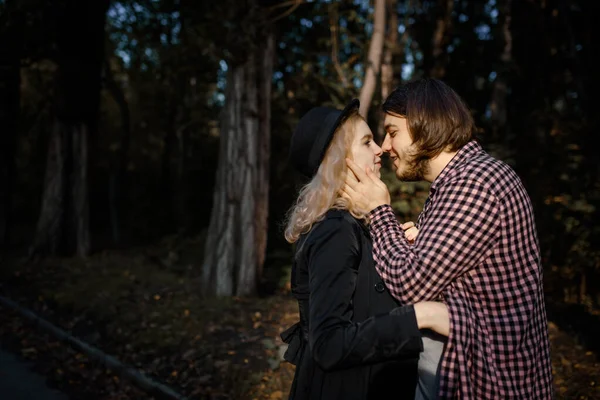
(335, 340)
(461, 227)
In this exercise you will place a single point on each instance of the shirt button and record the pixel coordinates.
(379, 287)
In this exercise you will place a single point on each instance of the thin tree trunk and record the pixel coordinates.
(79, 222)
(267, 54)
(443, 25)
(49, 233)
(166, 173)
(183, 120)
(500, 89)
(63, 224)
(387, 64)
(117, 186)
(181, 203)
(236, 240)
(335, 48)
(374, 59)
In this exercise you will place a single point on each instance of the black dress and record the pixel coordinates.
(347, 344)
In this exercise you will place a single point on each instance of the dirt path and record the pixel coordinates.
(234, 354)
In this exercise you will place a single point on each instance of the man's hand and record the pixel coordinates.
(364, 189)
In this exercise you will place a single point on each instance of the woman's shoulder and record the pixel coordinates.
(335, 220)
(342, 217)
(335, 213)
(336, 228)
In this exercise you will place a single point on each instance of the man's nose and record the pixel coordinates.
(386, 146)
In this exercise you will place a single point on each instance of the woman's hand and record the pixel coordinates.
(433, 315)
(410, 231)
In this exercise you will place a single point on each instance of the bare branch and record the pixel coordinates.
(333, 28)
(293, 5)
(374, 61)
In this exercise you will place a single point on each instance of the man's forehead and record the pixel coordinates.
(393, 119)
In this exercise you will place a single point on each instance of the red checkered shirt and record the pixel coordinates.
(477, 250)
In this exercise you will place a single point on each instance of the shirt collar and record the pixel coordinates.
(465, 152)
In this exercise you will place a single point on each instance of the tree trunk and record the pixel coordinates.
(117, 189)
(374, 59)
(440, 36)
(529, 93)
(166, 187)
(77, 200)
(49, 232)
(500, 89)
(237, 235)
(183, 207)
(387, 64)
(63, 224)
(10, 81)
(335, 47)
(264, 151)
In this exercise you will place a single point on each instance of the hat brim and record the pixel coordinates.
(355, 103)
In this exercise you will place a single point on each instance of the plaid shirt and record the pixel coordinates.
(477, 250)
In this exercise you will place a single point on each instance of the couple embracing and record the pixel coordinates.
(451, 307)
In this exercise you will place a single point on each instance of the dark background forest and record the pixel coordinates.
(144, 177)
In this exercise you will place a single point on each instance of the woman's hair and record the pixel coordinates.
(437, 117)
(322, 192)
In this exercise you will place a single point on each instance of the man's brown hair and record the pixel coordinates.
(437, 118)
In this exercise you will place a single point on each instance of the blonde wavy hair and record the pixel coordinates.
(322, 193)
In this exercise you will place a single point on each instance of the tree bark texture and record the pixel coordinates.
(237, 236)
(500, 90)
(117, 188)
(63, 224)
(374, 59)
(440, 39)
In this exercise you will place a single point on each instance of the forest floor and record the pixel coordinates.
(142, 307)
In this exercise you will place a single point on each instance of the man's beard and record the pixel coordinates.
(414, 172)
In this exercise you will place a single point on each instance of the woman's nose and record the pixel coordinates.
(378, 150)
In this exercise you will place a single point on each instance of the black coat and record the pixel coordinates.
(347, 345)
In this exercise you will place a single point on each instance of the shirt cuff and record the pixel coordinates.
(379, 215)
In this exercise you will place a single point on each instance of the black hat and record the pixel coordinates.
(313, 135)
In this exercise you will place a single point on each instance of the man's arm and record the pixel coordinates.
(461, 227)
(335, 340)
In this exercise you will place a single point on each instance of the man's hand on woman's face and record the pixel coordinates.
(364, 188)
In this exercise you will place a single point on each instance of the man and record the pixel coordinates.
(477, 247)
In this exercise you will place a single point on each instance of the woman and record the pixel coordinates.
(353, 340)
